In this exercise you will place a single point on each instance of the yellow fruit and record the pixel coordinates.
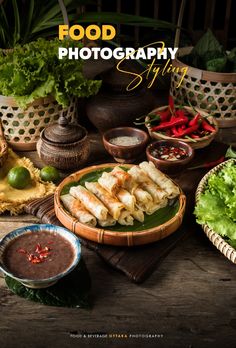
(18, 177)
(49, 173)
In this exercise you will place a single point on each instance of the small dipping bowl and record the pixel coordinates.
(125, 153)
(41, 283)
(168, 166)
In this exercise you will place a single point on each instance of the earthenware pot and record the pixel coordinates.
(114, 106)
(64, 146)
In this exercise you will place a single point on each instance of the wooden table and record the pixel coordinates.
(189, 301)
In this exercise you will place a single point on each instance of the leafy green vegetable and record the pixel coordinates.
(209, 55)
(34, 70)
(70, 291)
(231, 153)
(217, 205)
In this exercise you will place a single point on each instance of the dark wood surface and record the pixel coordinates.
(189, 300)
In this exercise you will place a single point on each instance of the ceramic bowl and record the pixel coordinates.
(122, 153)
(170, 167)
(41, 283)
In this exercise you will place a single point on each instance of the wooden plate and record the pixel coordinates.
(155, 227)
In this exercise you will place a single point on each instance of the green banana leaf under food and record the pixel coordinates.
(158, 218)
(70, 291)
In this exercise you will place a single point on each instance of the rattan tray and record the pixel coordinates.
(214, 237)
(113, 237)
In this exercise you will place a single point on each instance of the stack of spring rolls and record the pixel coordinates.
(121, 196)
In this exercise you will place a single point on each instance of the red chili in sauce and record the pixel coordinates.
(169, 153)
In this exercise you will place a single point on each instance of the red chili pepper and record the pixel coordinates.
(188, 131)
(194, 120)
(171, 103)
(174, 122)
(209, 164)
(180, 113)
(195, 136)
(174, 131)
(206, 126)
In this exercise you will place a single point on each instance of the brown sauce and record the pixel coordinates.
(38, 255)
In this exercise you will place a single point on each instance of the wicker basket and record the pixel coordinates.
(22, 127)
(113, 237)
(3, 147)
(214, 237)
(197, 143)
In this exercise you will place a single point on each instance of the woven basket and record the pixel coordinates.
(3, 147)
(197, 143)
(22, 127)
(113, 237)
(214, 237)
(211, 91)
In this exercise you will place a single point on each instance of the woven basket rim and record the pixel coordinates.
(230, 252)
(201, 140)
(13, 102)
(96, 230)
(213, 76)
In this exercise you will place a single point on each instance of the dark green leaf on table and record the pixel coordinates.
(70, 291)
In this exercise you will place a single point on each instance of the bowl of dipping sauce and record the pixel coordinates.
(125, 144)
(170, 156)
(39, 255)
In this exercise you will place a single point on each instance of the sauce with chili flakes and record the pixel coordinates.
(38, 255)
(169, 153)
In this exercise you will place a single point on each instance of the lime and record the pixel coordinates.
(18, 177)
(49, 173)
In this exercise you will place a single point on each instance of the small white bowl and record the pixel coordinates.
(41, 283)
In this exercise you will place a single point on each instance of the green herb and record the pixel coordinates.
(70, 291)
(231, 153)
(34, 70)
(208, 54)
(217, 205)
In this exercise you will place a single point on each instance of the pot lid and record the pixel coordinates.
(62, 132)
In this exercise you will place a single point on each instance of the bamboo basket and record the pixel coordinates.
(211, 91)
(214, 237)
(103, 236)
(3, 147)
(22, 127)
(197, 143)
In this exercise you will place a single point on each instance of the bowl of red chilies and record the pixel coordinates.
(185, 123)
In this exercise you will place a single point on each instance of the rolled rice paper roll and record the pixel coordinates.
(108, 222)
(147, 184)
(109, 182)
(143, 199)
(127, 199)
(111, 203)
(156, 206)
(125, 180)
(76, 208)
(126, 218)
(138, 215)
(91, 203)
(160, 179)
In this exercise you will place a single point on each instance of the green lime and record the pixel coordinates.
(18, 177)
(49, 173)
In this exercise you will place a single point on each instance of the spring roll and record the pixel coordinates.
(143, 199)
(108, 222)
(76, 208)
(160, 179)
(138, 215)
(156, 206)
(111, 203)
(125, 180)
(127, 199)
(126, 218)
(147, 184)
(109, 182)
(92, 204)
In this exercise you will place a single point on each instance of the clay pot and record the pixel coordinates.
(114, 106)
(64, 146)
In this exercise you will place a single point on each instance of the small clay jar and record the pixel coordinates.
(64, 146)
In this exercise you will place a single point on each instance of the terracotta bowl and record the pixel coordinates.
(122, 153)
(170, 167)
